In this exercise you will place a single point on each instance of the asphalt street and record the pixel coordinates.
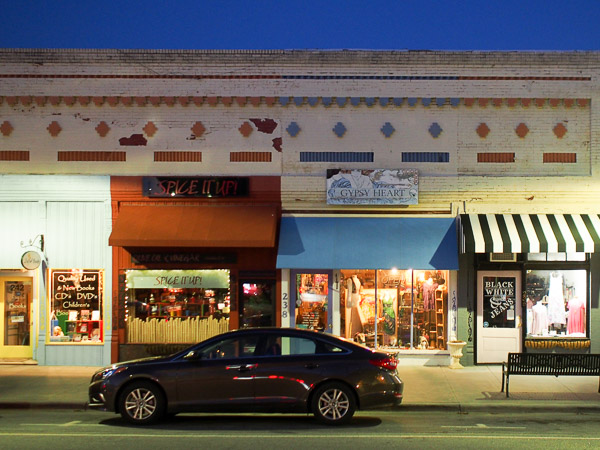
(76, 429)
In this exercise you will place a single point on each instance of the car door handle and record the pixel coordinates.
(242, 367)
(311, 366)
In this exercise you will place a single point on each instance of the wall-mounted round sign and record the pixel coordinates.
(31, 260)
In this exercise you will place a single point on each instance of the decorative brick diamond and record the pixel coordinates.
(559, 130)
(198, 129)
(6, 128)
(102, 129)
(435, 130)
(339, 129)
(483, 130)
(293, 129)
(387, 129)
(246, 129)
(522, 130)
(150, 129)
(54, 128)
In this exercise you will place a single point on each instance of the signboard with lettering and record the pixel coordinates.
(195, 186)
(31, 260)
(76, 290)
(372, 187)
(174, 279)
(499, 299)
(143, 257)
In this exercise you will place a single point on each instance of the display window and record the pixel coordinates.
(404, 309)
(176, 306)
(76, 300)
(557, 303)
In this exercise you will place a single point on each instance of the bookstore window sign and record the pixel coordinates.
(372, 187)
(76, 306)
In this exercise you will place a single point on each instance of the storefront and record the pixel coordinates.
(52, 269)
(191, 262)
(535, 284)
(385, 282)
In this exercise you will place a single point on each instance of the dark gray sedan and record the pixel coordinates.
(277, 370)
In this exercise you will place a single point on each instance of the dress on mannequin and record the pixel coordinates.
(429, 288)
(576, 322)
(539, 326)
(556, 300)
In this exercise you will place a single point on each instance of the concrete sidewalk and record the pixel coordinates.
(426, 387)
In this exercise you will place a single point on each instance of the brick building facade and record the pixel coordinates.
(492, 136)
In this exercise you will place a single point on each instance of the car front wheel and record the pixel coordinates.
(142, 403)
(334, 404)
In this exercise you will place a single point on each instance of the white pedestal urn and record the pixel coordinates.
(455, 348)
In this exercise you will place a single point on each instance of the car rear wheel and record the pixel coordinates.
(142, 403)
(334, 404)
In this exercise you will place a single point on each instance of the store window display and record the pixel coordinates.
(396, 308)
(76, 300)
(176, 306)
(556, 303)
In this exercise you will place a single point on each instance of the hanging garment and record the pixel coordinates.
(429, 295)
(539, 326)
(576, 322)
(556, 301)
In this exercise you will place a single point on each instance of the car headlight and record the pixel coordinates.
(108, 372)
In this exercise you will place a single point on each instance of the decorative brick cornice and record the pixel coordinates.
(300, 102)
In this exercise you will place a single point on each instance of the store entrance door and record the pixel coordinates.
(17, 320)
(312, 300)
(498, 315)
(257, 303)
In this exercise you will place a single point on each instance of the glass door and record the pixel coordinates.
(498, 315)
(257, 303)
(312, 300)
(16, 324)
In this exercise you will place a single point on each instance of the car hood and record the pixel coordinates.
(142, 361)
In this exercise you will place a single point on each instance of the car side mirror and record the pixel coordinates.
(192, 355)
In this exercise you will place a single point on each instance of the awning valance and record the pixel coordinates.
(367, 243)
(530, 233)
(195, 226)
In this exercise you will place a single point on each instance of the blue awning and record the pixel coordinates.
(367, 243)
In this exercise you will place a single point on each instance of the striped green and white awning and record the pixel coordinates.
(530, 233)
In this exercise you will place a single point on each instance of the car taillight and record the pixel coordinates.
(385, 363)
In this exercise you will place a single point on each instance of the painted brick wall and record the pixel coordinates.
(97, 98)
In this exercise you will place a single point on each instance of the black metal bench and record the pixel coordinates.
(550, 364)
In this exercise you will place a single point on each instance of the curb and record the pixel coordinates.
(465, 408)
(29, 405)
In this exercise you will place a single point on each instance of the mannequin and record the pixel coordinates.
(353, 322)
(576, 322)
(539, 326)
(556, 301)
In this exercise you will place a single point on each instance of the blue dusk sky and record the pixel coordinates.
(308, 24)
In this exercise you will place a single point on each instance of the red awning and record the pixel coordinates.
(195, 226)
